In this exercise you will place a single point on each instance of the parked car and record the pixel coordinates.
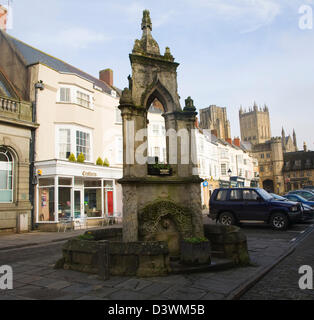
(298, 198)
(232, 205)
(309, 188)
(277, 197)
(308, 195)
(307, 211)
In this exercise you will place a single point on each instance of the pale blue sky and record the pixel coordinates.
(231, 52)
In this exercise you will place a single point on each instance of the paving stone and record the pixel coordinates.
(103, 292)
(134, 284)
(58, 285)
(28, 279)
(78, 288)
(89, 298)
(156, 288)
(213, 296)
(128, 295)
(114, 281)
(184, 293)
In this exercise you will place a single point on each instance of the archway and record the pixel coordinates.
(268, 185)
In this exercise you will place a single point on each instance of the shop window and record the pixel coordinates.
(65, 181)
(64, 206)
(6, 176)
(92, 203)
(92, 183)
(46, 204)
(47, 182)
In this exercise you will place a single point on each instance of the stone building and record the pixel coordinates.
(215, 119)
(269, 151)
(255, 124)
(15, 134)
(298, 169)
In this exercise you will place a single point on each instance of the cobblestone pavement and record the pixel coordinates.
(35, 278)
(282, 282)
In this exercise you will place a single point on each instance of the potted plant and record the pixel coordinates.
(195, 251)
(106, 163)
(72, 158)
(80, 158)
(99, 162)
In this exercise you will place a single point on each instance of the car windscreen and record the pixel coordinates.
(279, 198)
(264, 194)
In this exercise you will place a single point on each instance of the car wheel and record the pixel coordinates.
(227, 219)
(279, 221)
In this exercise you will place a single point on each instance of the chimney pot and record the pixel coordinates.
(106, 76)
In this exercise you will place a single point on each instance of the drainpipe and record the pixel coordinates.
(32, 174)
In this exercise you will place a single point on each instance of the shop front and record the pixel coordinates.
(75, 191)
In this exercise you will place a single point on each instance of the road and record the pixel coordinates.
(35, 278)
(281, 283)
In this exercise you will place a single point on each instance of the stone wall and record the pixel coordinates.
(228, 242)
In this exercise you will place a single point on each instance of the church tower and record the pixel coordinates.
(255, 124)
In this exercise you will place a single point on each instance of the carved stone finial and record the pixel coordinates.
(147, 44)
(189, 105)
(168, 54)
(126, 97)
(130, 82)
(146, 21)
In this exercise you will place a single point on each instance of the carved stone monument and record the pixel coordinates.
(163, 207)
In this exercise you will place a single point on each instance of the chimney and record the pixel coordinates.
(106, 76)
(229, 140)
(3, 18)
(237, 142)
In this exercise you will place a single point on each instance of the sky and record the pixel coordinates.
(231, 52)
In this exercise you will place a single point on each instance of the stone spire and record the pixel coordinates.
(295, 140)
(147, 44)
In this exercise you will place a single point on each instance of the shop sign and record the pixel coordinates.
(89, 174)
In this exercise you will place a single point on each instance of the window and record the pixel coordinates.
(236, 195)
(6, 176)
(64, 143)
(119, 148)
(268, 155)
(250, 195)
(73, 139)
(118, 115)
(83, 99)
(262, 156)
(223, 169)
(83, 144)
(65, 95)
(221, 195)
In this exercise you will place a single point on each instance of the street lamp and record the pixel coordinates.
(229, 174)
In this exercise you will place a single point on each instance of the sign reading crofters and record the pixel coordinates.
(89, 174)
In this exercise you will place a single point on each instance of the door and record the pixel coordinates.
(254, 207)
(78, 204)
(110, 203)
